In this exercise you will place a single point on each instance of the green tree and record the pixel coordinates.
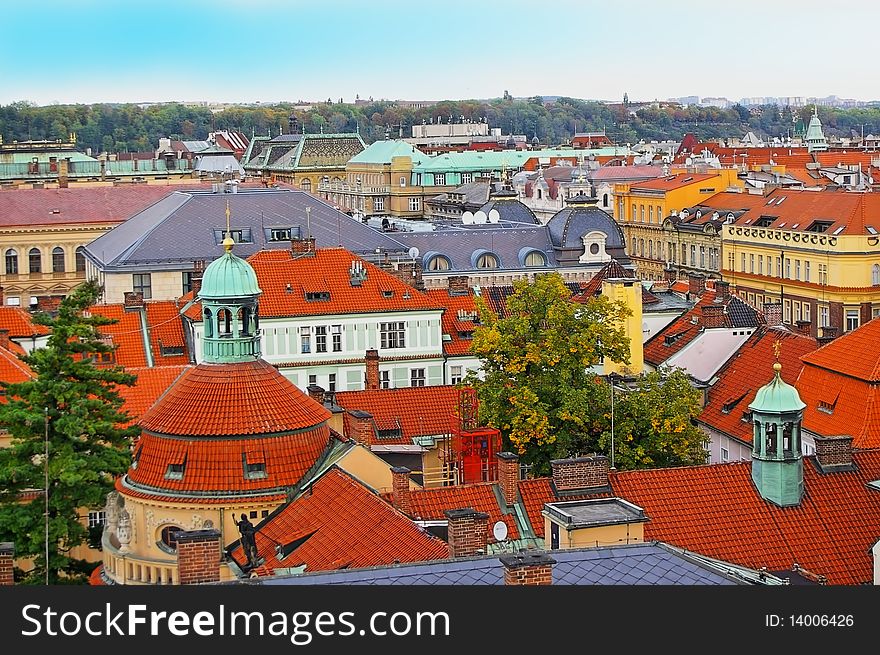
(74, 406)
(535, 365)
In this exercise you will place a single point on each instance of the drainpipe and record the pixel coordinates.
(145, 334)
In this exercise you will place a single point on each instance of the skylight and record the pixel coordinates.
(838, 230)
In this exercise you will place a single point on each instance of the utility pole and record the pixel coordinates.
(46, 484)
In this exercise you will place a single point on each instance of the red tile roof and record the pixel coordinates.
(19, 323)
(671, 182)
(748, 370)
(328, 271)
(151, 383)
(249, 398)
(109, 204)
(415, 411)
(430, 504)
(851, 213)
(12, 369)
(716, 511)
(163, 323)
(593, 287)
(456, 321)
(341, 524)
(837, 404)
(854, 354)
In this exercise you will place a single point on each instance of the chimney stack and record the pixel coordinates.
(48, 303)
(713, 316)
(834, 453)
(468, 532)
(361, 427)
(773, 313)
(580, 473)
(722, 290)
(198, 273)
(7, 553)
(696, 285)
(508, 477)
(402, 498)
(63, 171)
(670, 275)
(133, 301)
(198, 556)
(302, 246)
(371, 380)
(529, 569)
(316, 393)
(804, 327)
(458, 285)
(829, 334)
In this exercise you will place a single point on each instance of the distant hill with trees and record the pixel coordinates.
(130, 127)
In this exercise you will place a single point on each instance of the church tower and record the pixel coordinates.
(815, 137)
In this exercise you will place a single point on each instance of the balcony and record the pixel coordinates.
(343, 187)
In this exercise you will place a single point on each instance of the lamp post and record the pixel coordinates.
(46, 484)
(611, 377)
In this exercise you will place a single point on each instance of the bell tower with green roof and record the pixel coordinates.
(777, 461)
(230, 310)
(815, 137)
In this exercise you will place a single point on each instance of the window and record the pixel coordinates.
(305, 185)
(168, 536)
(725, 454)
(391, 335)
(806, 311)
(693, 255)
(642, 213)
(402, 181)
(797, 269)
(35, 261)
(238, 236)
(187, 281)
(466, 178)
(778, 267)
(417, 377)
(415, 204)
(321, 339)
(634, 212)
(797, 312)
(336, 335)
(438, 263)
(788, 269)
(536, 259)
(875, 274)
(823, 316)
(58, 259)
(760, 264)
(743, 262)
(659, 214)
(440, 179)
(142, 282)
(378, 204)
(823, 273)
(317, 296)
(650, 213)
(305, 340)
(385, 379)
(331, 382)
(254, 470)
(487, 260)
(786, 312)
(13, 301)
(11, 262)
(313, 380)
(852, 319)
(455, 375)
(684, 255)
(175, 471)
(751, 263)
(650, 249)
(80, 260)
(280, 234)
(97, 518)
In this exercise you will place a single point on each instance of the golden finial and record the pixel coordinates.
(228, 242)
(777, 346)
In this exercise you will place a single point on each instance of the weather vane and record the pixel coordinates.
(228, 241)
(777, 346)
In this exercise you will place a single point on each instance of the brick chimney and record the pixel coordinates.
(580, 473)
(529, 569)
(696, 284)
(302, 246)
(713, 316)
(198, 556)
(2, 299)
(361, 427)
(834, 453)
(132, 301)
(458, 285)
(804, 327)
(198, 273)
(316, 393)
(773, 313)
(7, 553)
(48, 303)
(371, 379)
(829, 334)
(402, 498)
(722, 290)
(4, 339)
(63, 171)
(468, 532)
(670, 275)
(508, 477)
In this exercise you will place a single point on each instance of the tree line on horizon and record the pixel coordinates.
(117, 128)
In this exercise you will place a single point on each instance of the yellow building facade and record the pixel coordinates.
(628, 292)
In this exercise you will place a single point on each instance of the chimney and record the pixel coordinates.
(198, 556)
(2, 298)
(371, 360)
(133, 301)
(468, 532)
(528, 569)
(402, 498)
(829, 334)
(7, 552)
(670, 275)
(198, 273)
(804, 327)
(696, 284)
(302, 246)
(458, 285)
(580, 473)
(722, 290)
(773, 313)
(4, 339)
(834, 453)
(409, 273)
(48, 303)
(361, 427)
(508, 477)
(316, 393)
(63, 169)
(713, 316)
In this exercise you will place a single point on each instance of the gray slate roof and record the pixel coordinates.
(634, 564)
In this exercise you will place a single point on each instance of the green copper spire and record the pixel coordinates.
(815, 137)
(230, 311)
(777, 461)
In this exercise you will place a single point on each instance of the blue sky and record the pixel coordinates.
(271, 50)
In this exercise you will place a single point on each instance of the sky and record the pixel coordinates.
(57, 51)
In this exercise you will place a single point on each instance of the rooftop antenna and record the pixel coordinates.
(308, 222)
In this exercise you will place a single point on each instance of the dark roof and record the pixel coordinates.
(740, 314)
(510, 209)
(634, 564)
(568, 225)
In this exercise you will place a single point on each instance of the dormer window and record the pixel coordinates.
(254, 462)
(317, 296)
(176, 470)
(765, 221)
(387, 294)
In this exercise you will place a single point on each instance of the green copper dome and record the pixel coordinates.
(229, 276)
(777, 396)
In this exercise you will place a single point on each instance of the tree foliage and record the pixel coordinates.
(75, 407)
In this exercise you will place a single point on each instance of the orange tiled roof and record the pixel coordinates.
(458, 327)
(716, 511)
(248, 398)
(163, 323)
(95, 578)
(19, 323)
(338, 523)
(854, 354)
(740, 378)
(13, 370)
(429, 504)
(850, 213)
(671, 182)
(328, 271)
(593, 286)
(415, 411)
(151, 383)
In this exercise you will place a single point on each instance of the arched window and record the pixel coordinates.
(168, 537)
(11, 261)
(650, 249)
(659, 214)
(438, 263)
(651, 213)
(605, 200)
(209, 324)
(536, 259)
(875, 275)
(80, 260)
(539, 193)
(641, 247)
(306, 185)
(224, 323)
(245, 317)
(57, 259)
(35, 261)
(487, 260)
(642, 213)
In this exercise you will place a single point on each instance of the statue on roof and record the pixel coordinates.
(248, 540)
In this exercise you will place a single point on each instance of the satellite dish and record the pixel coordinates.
(494, 216)
(500, 531)
(413, 252)
(467, 218)
(480, 218)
